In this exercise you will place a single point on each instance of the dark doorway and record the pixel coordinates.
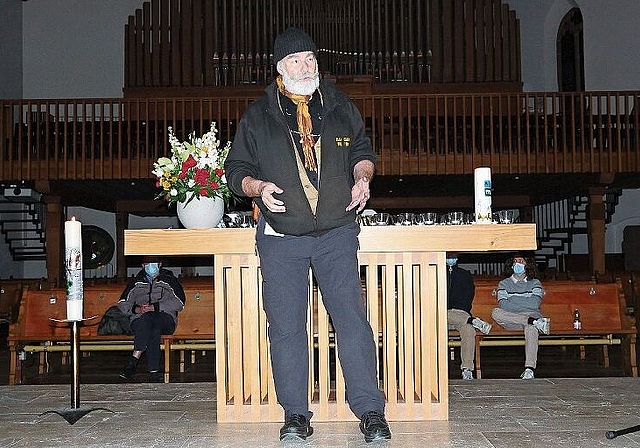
(570, 52)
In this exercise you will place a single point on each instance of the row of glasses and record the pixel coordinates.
(237, 220)
(407, 219)
(430, 218)
(460, 218)
(504, 217)
(401, 219)
(456, 218)
(243, 220)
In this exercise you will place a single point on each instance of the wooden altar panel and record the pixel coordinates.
(469, 238)
(404, 290)
(406, 304)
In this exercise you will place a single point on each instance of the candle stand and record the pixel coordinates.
(75, 412)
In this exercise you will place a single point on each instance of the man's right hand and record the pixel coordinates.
(273, 204)
(255, 188)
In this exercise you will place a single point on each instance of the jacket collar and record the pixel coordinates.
(516, 280)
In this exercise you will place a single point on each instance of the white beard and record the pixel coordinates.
(301, 86)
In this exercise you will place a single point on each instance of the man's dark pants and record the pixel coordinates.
(284, 263)
(147, 330)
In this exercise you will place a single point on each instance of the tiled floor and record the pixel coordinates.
(483, 413)
(573, 404)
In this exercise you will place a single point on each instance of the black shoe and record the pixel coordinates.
(374, 426)
(156, 377)
(129, 368)
(296, 427)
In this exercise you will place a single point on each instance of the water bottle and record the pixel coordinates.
(577, 325)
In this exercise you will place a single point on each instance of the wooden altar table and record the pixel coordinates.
(403, 273)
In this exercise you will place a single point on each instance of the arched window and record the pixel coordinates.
(570, 52)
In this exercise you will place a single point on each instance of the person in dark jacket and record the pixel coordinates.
(460, 292)
(152, 301)
(302, 155)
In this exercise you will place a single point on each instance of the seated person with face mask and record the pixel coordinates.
(519, 298)
(152, 301)
(460, 292)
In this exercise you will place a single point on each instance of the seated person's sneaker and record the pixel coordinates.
(542, 324)
(374, 426)
(296, 427)
(528, 374)
(479, 324)
(467, 374)
(129, 368)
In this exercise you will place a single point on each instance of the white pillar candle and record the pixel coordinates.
(482, 193)
(73, 267)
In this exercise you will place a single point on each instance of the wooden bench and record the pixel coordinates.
(11, 293)
(36, 332)
(604, 315)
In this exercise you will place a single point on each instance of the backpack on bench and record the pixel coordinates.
(114, 322)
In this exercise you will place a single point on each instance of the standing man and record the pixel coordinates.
(519, 298)
(460, 292)
(302, 154)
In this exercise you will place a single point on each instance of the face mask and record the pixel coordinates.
(151, 269)
(518, 268)
(451, 261)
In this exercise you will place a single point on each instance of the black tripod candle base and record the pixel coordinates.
(73, 415)
(75, 412)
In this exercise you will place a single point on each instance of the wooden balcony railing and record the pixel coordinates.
(412, 134)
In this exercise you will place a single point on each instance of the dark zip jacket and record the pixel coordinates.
(460, 289)
(164, 292)
(263, 149)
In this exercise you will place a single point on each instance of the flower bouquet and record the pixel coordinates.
(195, 168)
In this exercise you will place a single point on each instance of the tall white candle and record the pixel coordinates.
(73, 267)
(482, 193)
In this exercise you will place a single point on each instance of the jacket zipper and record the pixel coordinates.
(287, 131)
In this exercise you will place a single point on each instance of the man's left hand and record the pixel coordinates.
(359, 195)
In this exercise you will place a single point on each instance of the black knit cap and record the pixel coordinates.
(292, 40)
(151, 259)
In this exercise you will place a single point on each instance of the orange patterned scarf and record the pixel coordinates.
(304, 123)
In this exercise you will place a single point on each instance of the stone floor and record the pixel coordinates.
(572, 403)
(503, 413)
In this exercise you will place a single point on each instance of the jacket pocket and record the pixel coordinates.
(335, 196)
